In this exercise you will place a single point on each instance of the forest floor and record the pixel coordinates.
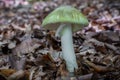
(29, 52)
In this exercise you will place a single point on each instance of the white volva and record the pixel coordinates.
(67, 48)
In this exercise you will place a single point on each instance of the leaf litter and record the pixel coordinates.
(28, 52)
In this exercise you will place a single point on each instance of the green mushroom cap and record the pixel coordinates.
(65, 14)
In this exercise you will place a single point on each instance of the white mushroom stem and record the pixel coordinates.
(67, 47)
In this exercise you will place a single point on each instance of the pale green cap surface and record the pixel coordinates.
(65, 14)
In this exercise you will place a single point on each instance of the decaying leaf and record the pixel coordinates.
(27, 46)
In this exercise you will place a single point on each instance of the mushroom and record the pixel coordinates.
(66, 20)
